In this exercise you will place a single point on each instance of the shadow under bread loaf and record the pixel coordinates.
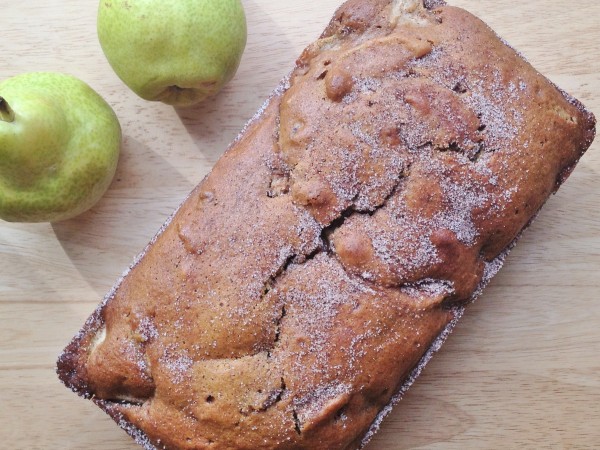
(301, 287)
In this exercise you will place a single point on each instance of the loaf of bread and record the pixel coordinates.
(300, 288)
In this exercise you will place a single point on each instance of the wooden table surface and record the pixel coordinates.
(522, 370)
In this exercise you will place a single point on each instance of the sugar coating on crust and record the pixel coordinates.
(302, 286)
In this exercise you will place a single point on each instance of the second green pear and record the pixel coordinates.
(178, 52)
(59, 147)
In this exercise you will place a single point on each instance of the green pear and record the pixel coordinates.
(178, 52)
(59, 147)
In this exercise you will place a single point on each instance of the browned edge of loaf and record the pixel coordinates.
(67, 362)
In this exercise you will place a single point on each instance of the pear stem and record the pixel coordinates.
(6, 113)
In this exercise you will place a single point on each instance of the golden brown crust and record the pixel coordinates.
(293, 293)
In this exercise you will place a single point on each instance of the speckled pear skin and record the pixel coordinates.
(300, 289)
(177, 52)
(59, 150)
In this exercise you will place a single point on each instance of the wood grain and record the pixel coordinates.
(522, 368)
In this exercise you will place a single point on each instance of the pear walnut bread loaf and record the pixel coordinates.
(301, 287)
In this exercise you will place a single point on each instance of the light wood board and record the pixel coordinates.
(522, 370)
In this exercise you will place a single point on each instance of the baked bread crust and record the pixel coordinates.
(302, 286)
